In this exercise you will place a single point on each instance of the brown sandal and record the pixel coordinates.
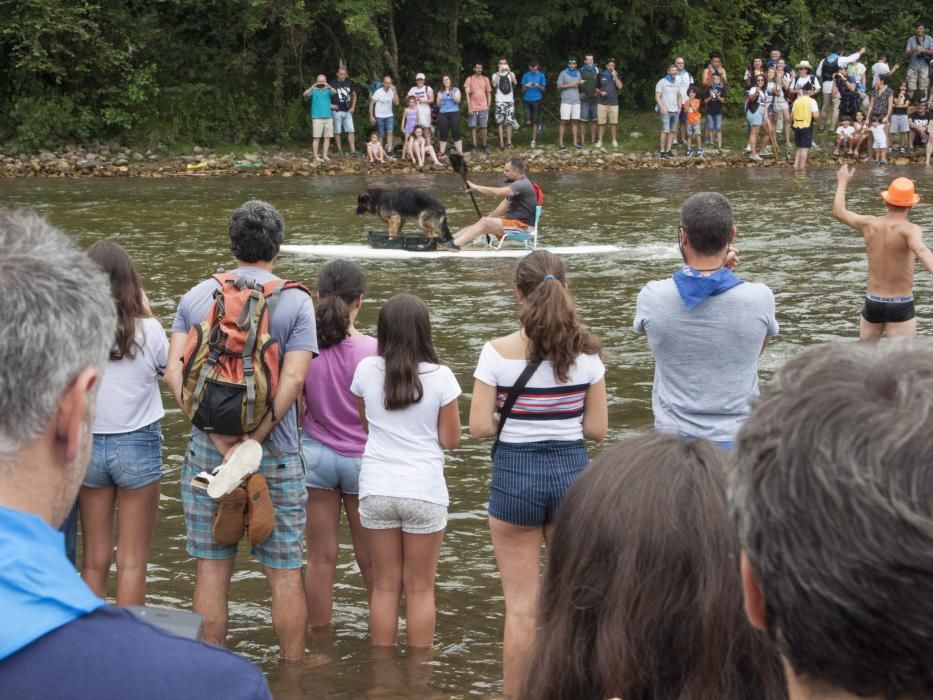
(260, 513)
(228, 522)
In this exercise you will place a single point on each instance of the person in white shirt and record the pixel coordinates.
(381, 114)
(844, 133)
(684, 81)
(408, 405)
(669, 99)
(541, 452)
(126, 462)
(424, 98)
(825, 71)
(881, 67)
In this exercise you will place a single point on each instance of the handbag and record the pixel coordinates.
(510, 400)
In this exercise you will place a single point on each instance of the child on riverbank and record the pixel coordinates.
(844, 134)
(715, 98)
(693, 121)
(860, 133)
(420, 147)
(879, 143)
(375, 150)
(409, 122)
(408, 404)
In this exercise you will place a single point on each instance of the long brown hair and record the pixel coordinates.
(403, 335)
(642, 596)
(339, 284)
(127, 291)
(549, 317)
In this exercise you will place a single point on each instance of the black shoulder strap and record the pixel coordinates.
(510, 400)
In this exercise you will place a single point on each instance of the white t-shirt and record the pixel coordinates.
(500, 97)
(129, 398)
(879, 138)
(545, 409)
(684, 80)
(877, 70)
(846, 131)
(384, 100)
(403, 457)
(424, 108)
(669, 91)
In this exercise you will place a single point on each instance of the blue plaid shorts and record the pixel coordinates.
(286, 478)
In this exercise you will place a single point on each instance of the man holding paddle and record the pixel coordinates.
(516, 212)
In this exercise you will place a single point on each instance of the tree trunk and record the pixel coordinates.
(454, 41)
(391, 44)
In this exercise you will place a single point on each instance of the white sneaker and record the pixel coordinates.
(532, 144)
(615, 144)
(598, 144)
(242, 461)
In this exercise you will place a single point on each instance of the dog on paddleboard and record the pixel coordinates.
(397, 207)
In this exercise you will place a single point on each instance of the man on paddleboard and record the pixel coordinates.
(515, 213)
(891, 242)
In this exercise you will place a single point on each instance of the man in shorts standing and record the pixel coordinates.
(684, 80)
(256, 232)
(589, 98)
(803, 114)
(920, 54)
(381, 103)
(478, 90)
(343, 103)
(322, 121)
(533, 83)
(669, 99)
(892, 243)
(503, 80)
(569, 83)
(608, 85)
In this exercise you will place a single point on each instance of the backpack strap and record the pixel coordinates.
(512, 397)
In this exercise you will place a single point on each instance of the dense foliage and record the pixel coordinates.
(210, 71)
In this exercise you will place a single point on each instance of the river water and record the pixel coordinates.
(175, 230)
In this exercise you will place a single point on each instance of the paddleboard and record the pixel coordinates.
(364, 251)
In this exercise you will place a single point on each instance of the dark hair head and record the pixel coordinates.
(127, 291)
(517, 164)
(642, 595)
(832, 493)
(707, 219)
(256, 232)
(548, 316)
(883, 79)
(339, 284)
(403, 334)
(837, 47)
(715, 53)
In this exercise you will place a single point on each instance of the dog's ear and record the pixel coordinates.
(362, 202)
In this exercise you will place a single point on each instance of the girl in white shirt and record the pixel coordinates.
(541, 450)
(126, 461)
(408, 404)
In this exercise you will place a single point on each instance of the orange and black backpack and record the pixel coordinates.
(231, 362)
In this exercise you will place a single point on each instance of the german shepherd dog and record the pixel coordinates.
(400, 206)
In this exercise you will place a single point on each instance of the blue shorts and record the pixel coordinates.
(668, 122)
(330, 470)
(385, 125)
(714, 123)
(343, 123)
(756, 118)
(286, 479)
(529, 479)
(587, 111)
(126, 460)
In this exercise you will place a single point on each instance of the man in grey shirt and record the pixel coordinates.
(515, 213)
(920, 52)
(569, 83)
(706, 329)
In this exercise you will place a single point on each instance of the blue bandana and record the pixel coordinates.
(572, 73)
(695, 288)
(39, 588)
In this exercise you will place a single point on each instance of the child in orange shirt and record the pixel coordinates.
(692, 105)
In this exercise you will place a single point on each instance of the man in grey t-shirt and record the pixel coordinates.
(706, 329)
(920, 52)
(256, 233)
(515, 213)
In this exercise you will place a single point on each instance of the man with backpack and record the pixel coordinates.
(827, 68)
(504, 83)
(241, 345)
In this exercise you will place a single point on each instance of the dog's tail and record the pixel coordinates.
(445, 229)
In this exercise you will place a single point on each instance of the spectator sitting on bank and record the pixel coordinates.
(569, 83)
(421, 146)
(860, 133)
(919, 123)
(668, 97)
(845, 133)
(374, 149)
(831, 493)
(59, 640)
(641, 595)
(533, 84)
(715, 98)
(588, 98)
(322, 120)
(607, 111)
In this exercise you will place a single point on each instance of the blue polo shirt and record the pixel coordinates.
(533, 94)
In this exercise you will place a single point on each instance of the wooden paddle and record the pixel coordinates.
(459, 164)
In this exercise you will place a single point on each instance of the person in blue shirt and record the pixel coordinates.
(533, 83)
(322, 119)
(58, 639)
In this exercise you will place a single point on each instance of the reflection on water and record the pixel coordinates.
(176, 232)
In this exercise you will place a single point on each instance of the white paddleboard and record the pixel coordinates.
(364, 251)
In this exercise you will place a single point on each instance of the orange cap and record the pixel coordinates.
(900, 193)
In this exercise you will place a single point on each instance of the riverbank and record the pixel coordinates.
(103, 161)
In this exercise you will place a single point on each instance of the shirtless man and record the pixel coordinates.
(891, 243)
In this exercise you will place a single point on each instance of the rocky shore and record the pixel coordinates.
(102, 160)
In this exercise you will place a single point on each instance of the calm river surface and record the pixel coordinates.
(176, 232)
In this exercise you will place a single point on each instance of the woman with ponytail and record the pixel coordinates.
(539, 450)
(334, 438)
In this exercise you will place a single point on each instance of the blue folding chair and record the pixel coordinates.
(529, 237)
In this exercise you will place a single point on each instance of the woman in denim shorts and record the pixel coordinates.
(541, 452)
(126, 462)
(333, 441)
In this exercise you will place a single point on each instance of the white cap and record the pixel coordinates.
(420, 76)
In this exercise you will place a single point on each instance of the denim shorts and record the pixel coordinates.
(756, 118)
(329, 470)
(479, 118)
(286, 479)
(693, 129)
(529, 479)
(126, 460)
(343, 123)
(668, 122)
(412, 515)
(587, 111)
(385, 125)
(714, 122)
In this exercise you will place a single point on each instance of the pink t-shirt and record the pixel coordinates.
(331, 416)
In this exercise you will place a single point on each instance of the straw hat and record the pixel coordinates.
(805, 64)
(900, 193)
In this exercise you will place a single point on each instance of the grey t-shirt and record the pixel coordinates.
(569, 96)
(918, 60)
(706, 359)
(522, 202)
(291, 324)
